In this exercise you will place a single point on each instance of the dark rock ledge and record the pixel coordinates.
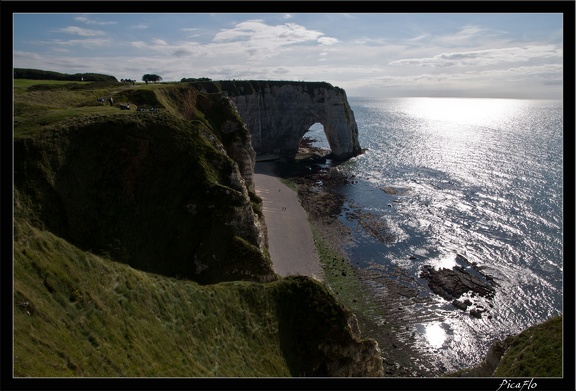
(451, 284)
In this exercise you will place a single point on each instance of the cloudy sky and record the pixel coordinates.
(513, 55)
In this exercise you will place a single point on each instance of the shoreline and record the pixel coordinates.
(378, 320)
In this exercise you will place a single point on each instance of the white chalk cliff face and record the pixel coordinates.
(278, 114)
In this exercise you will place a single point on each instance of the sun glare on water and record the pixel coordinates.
(465, 110)
(435, 335)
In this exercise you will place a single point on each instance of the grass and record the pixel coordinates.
(81, 315)
(39, 104)
(340, 275)
(79, 160)
(25, 83)
(102, 184)
(77, 314)
(535, 352)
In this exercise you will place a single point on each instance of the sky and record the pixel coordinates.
(508, 55)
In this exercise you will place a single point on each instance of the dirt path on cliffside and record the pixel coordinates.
(290, 239)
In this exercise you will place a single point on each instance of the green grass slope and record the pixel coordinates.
(535, 352)
(77, 314)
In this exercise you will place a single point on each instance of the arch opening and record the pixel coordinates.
(314, 144)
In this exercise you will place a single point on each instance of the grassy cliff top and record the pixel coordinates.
(40, 103)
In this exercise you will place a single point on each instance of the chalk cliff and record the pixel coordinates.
(279, 113)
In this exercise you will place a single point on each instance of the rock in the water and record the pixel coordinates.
(461, 305)
(451, 284)
(477, 312)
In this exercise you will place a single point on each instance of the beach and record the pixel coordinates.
(290, 239)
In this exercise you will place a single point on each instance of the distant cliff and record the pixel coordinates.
(279, 113)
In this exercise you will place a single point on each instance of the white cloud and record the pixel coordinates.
(81, 31)
(468, 31)
(166, 50)
(464, 37)
(474, 60)
(88, 42)
(139, 44)
(258, 33)
(60, 50)
(85, 19)
(327, 41)
(501, 82)
(139, 26)
(485, 57)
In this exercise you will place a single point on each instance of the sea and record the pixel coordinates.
(482, 178)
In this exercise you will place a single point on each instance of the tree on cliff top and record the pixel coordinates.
(151, 77)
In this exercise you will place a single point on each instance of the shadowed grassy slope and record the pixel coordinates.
(152, 189)
(535, 352)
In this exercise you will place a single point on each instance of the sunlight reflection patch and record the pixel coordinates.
(435, 335)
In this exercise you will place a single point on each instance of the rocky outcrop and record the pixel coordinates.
(279, 113)
(320, 337)
(358, 358)
(451, 284)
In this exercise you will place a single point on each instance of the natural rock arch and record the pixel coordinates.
(278, 114)
(315, 137)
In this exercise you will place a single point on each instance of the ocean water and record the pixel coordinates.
(478, 177)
